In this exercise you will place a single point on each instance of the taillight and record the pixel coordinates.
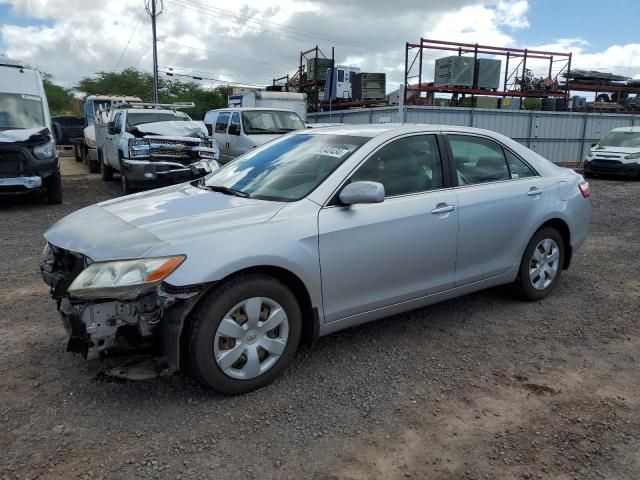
(584, 189)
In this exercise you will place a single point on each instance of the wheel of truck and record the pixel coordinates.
(126, 186)
(107, 170)
(244, 334)
(94, 165)
(54, 188)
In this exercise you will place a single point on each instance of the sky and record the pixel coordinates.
(253, 41)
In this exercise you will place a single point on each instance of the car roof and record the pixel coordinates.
(374, 130)
(244, 109)
(152, 110)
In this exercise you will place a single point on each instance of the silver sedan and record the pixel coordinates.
(314, 232)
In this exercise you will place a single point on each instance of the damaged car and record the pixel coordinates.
(314, 232)
(154, 145)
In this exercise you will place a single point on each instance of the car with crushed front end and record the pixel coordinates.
(314, 232)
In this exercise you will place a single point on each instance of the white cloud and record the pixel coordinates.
(253, 41)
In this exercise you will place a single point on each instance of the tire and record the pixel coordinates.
(204, 346)
(77, 151)
(587, 174)
(94, 165)
(54, 188)
(126, 186)
(544, 278)
(107, 170)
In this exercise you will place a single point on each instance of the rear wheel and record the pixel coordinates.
(541, 265)
(54, 188)
(244, 334)
(107, 170)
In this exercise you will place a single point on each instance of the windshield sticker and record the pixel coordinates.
(31, 97)
(332, 151)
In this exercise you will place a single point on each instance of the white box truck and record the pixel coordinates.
(296, 102)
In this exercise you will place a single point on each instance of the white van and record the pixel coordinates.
(238, 130)
(28, 158)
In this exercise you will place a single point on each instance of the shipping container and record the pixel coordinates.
(369, 86)
(454, 71)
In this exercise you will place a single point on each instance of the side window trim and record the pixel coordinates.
(446, 183)
(452, 164)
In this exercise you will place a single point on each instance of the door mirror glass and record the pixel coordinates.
(362, 192)
(113, 128)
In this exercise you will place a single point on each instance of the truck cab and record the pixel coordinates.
(238, 130)
(154, 145)
(28, 158)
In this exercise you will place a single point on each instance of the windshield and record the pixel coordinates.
(134, 119)
(286, 169)
(621, 139)
(270, 121)
(21, 111)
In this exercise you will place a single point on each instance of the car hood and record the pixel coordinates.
(133, 226)
(174, 129)
(620, 150)
(24, 135)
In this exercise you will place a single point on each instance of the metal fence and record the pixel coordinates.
(562, 137)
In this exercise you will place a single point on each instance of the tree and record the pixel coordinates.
(132, 82)
(59, 98)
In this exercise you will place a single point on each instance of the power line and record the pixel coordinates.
(292, 32)
(208, 72)
(223, 54)
(220, 80)
(129, 41)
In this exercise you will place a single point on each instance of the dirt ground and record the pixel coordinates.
(482, 387)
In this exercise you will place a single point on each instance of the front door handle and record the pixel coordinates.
(443, 208)
(534, 192)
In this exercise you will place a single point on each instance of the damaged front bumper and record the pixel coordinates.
(146, 328)
(147, 172)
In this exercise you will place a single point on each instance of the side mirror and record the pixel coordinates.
(57, 132)
(362, 192)
(234, 129)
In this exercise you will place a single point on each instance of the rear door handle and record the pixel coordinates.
(443, 208)
(534, 192)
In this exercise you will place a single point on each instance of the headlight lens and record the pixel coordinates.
(139, 148)
(46, 150)
(632, 156)
(123, 279)
(91, 143)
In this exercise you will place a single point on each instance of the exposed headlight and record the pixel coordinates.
(632, 156)
(590, 154)
(123, 279)
(139, 148)
(46, 150)
(91, 143)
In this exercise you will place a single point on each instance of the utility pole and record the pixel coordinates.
(153, 12)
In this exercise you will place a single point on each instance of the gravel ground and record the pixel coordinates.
(482, 387)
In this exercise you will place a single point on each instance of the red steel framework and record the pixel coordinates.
(510, 88)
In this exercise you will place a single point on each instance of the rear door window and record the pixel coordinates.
(478, 160)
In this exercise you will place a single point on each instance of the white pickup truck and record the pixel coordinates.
(154, 145)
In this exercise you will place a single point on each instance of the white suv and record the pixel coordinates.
(617, 153)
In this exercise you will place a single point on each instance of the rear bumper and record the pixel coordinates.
(611, 168)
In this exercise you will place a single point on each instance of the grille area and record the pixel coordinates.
(11, 162)
(170, 149)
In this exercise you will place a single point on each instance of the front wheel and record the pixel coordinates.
(54, 188)
(541, 265)
(244, 334)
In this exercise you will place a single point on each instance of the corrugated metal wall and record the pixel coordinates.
(559, 136)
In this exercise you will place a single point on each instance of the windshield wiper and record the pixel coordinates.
(227, 191)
